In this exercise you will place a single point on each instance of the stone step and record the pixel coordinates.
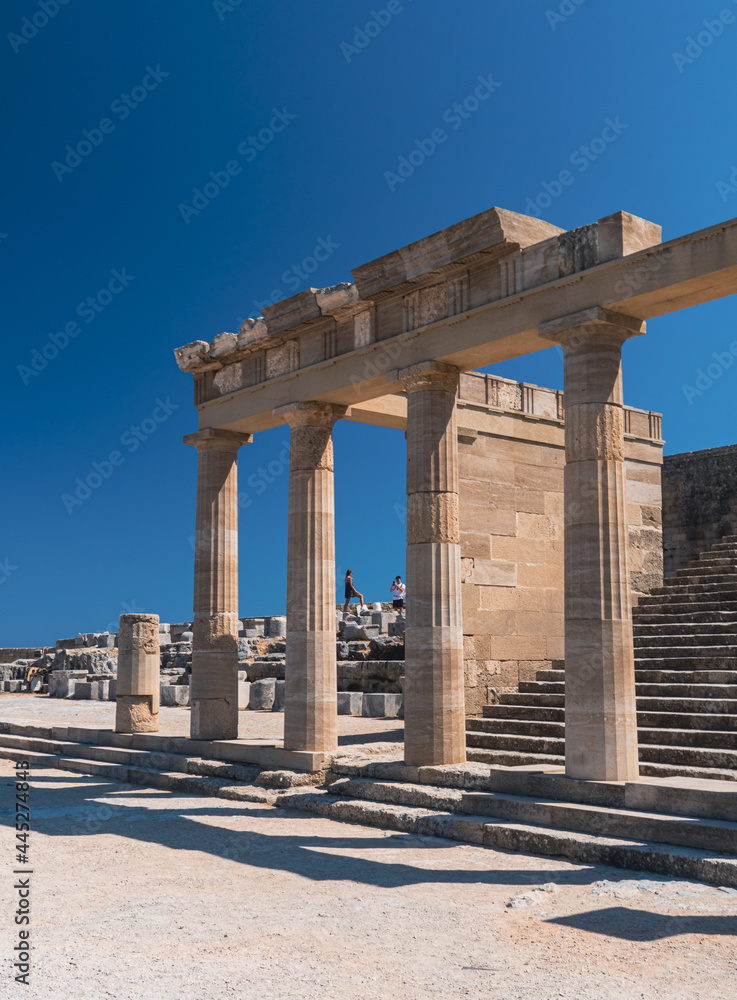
(512, 758)
(680, 596)
(592, 816)
(676, 652)
(643, 617)
(684, 628)
(534, 713)
(671, 609)
(522, 727)
(704, 572)
(551, 675)
(693, 663)
(711, 706)
(680, 690)
(712, 739)
(704, 722)
(541, 700)
(522, 744)
(542, 687)
(728, 677)
(712, 589)
(708, 866)
(722, 557)
(174, 781)
(673, 754)
(705, 641)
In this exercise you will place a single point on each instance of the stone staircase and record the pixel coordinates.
(685, 830)
(685, 636)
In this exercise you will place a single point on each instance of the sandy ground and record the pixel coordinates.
(44, 711)
(138, 893)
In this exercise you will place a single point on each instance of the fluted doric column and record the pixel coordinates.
(137, 685)
(214, 681)
(601, 713)
(311, 703)
(434, 704)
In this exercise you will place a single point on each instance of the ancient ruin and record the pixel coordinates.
(390, 348)
(565, 668)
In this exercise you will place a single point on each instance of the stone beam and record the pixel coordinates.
(684, 272)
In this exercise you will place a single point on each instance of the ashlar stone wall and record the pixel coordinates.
(511, 457)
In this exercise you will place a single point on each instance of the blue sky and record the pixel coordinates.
(103, 275)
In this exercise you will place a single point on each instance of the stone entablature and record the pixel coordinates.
(489, 257)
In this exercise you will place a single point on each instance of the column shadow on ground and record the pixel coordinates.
(75, 810)
(646, 925)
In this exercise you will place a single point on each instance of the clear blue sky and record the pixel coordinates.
(200, 78)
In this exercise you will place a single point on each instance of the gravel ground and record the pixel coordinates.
(140, 893)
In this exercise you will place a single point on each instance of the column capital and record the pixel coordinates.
(311, 413)
(595, 323)
(429, 375)
(216, 437)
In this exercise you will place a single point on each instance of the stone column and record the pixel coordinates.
(214, 680)
(601, 713)
(434, 704)
(311, 703)
(137, 689)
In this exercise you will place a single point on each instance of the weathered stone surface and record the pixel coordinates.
(244, 694)
(137, 692)
(385, 706)
(279, 693)
(174, 694)
(262, 694)
(350, 703)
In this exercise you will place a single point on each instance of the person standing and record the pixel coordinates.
(398, 590)
(350, 591)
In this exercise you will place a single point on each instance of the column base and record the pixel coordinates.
(214, 719)
(134, 714)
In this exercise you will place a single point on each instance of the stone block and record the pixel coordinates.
(397, 627)
(381, 706)
(83, 690)
(244, 692)
(275, 626)
(174, 694)
(362, 632)
(13, 687)
(350, 703)
(112, 686)
(278, 705)
(263, 693)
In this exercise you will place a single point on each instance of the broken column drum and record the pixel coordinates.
(137, 690)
